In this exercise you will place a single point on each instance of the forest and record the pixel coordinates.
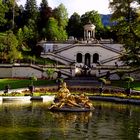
(22, 27)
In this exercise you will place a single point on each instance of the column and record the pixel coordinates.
(83, 58)
(92, 34)
(87, 34)
(84, 34)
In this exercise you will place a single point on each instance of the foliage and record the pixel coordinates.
(53, 31)
(30, 27)
(94, 18)
(61, 15)
(31, 10)
(120, 73)
(127, 28)
(11, 14)
(106, 33)
(24, 35)
(33, 78)
(50, 72)
(129, 80)
(74, 27)
(3, 10)
(45, 12)
(103, 81)
(9, 47)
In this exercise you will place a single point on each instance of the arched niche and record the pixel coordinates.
(87, 59)
(79, 58)
(95, 58)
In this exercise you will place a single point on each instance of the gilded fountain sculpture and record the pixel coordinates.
(65, 101)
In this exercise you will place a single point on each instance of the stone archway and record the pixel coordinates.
(79, 58)
(96, 58)
(87, 59)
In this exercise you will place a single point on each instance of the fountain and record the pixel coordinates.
(65, 101)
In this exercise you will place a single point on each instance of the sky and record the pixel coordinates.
(79, 6)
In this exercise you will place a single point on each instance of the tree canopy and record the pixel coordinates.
(127, 28)
(3, 10)
(93, 17)
(60, 13)
(74, 27)
(9, 47)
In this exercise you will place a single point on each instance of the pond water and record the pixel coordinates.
(32, 121)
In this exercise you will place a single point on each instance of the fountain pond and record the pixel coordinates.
(33, 121)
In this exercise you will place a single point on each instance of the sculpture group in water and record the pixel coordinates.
(65, 101)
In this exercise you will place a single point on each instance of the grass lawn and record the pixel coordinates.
(21, 83)
(135, 85)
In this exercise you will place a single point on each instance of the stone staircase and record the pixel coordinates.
(64, 48)
(109, 59)
(58, 57)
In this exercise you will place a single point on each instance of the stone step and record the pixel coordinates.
(82, 82)
(84, 78)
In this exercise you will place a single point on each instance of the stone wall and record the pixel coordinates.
(5, 72)
(26, 72)
(103, 53)
(19, 71)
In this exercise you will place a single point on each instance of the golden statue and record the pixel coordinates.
(63, 91)
(64, 99)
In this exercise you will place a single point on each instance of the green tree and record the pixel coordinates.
(33, 78)
(103, 82)
(9, 45)
(129, 80)
(24, 35)
(93, 17)
(50, 73)
(75, 27)
(11, 14)
(19, 18)
(127, 28)
(53, 31)
(31, 10)
(62, 34)
(3, 10)
(30, 15)
(2, 49)
(61, 15)
(106, 32)
(45, 12)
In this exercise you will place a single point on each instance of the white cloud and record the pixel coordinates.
(80, 6)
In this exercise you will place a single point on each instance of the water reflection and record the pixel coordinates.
(32, 120)
(70, 123)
